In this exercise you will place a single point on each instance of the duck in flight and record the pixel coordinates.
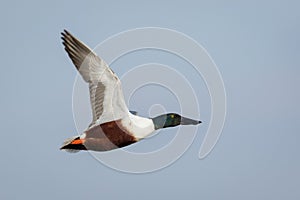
(113, 125)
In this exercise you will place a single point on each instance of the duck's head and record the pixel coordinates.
(172, 119)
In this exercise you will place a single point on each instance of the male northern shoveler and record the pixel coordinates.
(113, 125)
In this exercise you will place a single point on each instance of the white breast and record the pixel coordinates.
(140, 127)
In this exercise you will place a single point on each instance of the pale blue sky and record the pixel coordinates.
(255, 44)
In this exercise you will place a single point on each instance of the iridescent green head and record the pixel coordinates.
(172, 119)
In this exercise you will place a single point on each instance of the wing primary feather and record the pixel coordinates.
(106, 96)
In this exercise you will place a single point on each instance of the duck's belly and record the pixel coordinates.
(108, 136)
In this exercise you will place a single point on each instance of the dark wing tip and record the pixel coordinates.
(67, 37)
(65, 32)
(76, 50)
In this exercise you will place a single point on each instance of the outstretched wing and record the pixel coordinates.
(107, 99)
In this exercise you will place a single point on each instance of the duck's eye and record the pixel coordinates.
(172, 116)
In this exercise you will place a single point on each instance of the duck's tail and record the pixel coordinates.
(73, 145)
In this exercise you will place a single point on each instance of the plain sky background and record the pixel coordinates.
(255, 44)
